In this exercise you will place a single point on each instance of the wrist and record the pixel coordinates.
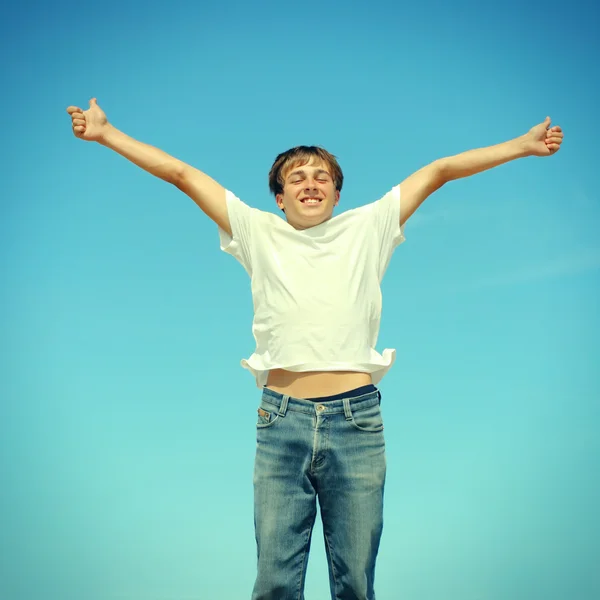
(107, 135)
(523, 146)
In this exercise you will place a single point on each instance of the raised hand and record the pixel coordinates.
(90, 124)
(543, 140)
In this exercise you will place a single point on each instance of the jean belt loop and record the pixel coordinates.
(347, 411)
(379, 396)
(284, 406)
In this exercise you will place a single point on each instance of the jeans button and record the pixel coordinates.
(320, 408)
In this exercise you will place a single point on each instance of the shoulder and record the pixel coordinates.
(390, 201)
(234, 204)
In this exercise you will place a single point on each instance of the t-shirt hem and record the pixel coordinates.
(376, 369)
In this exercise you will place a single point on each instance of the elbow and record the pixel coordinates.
(176, 174)
(443, 171)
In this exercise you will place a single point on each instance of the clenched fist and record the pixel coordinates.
(543, 140)
(90, 124)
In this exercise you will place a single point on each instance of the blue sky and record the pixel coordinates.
(126, 423)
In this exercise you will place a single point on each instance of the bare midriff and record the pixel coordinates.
(314, 384)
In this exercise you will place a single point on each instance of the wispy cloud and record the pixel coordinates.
(581, 206)
(451, 212)
(421, 217)
(561, 266)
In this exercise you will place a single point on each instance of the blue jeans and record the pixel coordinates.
(331, 449)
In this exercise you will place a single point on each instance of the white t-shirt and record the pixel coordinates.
(316, 292)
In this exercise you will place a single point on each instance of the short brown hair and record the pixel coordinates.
(301, 155)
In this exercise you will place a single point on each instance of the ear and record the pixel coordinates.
(279, 200)
(337, 197)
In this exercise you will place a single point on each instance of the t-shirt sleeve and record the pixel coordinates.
(386, 222)
(241, 219)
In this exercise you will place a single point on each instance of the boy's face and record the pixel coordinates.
(309, 195)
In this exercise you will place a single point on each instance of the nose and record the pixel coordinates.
(310, 186)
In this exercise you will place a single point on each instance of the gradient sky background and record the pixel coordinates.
(126, 423)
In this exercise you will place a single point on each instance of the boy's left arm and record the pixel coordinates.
(541, 140)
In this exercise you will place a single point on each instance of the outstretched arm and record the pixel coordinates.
(541, 140)
(92, 125)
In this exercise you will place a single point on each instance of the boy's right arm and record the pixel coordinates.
(92, 125)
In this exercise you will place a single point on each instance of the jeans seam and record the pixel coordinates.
(304, 557)
(359, 428)
(269, 424)
(335, 583)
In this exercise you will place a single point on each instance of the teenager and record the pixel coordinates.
(315, 284)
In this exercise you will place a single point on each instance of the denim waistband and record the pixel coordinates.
(361, 397)
(359, 391)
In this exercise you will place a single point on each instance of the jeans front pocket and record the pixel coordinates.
(267, 415)
(368, 419)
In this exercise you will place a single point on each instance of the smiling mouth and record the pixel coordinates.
(311, 200)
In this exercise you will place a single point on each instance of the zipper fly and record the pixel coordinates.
(319, 437)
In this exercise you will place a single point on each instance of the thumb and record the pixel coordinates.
(547, 121)
(93, 102)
